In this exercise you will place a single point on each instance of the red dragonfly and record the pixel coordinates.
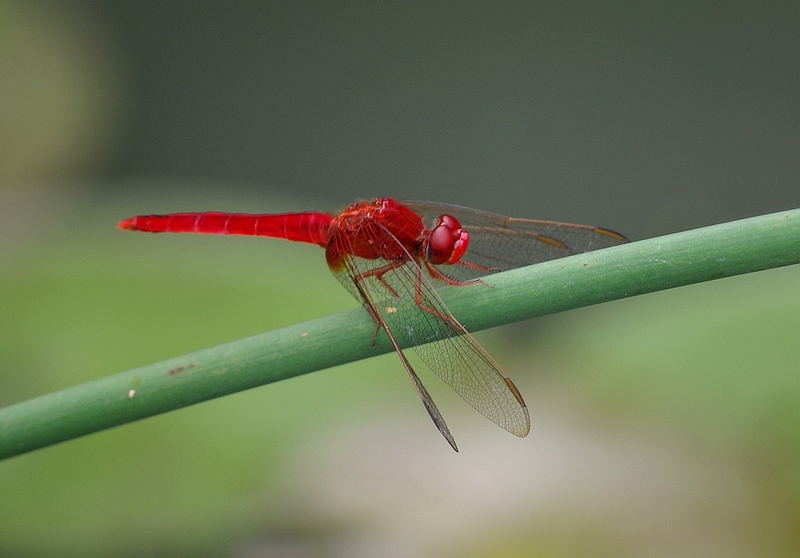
(390, 254)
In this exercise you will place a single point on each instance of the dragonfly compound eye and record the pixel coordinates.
(447, 242)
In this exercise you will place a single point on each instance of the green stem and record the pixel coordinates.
(641, 267)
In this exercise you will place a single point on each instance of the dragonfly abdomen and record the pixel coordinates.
(309, 226)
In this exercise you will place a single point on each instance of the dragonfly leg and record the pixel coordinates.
(376, 319)
(436, 274)
(378, 274)
(477, 266)
(446, 318)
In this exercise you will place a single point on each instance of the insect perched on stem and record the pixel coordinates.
(390, 254)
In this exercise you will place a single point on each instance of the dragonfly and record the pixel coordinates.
(392, 255)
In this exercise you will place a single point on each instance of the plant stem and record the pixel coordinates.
(641, 267)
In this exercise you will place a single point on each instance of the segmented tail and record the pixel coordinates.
(310, 226)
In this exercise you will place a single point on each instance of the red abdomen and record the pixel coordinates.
(311, 226)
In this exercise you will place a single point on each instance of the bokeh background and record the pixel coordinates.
(665, 425)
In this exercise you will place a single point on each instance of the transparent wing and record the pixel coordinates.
(501, 243)
(402, 295)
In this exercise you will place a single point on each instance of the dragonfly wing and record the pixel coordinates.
(501, 243)
(446, 347)
(414, 313)
(352, 268)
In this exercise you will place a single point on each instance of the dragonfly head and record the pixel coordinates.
(447, 241)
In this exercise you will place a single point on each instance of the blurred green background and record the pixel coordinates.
(666, 425)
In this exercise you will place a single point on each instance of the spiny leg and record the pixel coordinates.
(378, 273)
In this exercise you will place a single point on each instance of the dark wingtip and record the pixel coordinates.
(612, 234)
